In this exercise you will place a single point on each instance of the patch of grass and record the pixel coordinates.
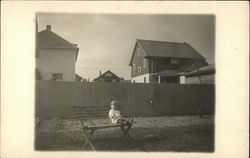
(186, 137)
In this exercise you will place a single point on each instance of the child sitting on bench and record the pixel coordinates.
(115, 115)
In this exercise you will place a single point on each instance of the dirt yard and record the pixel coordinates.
(185, 134)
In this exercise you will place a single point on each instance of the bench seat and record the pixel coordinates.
(90, 127)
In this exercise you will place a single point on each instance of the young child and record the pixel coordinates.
(115, 115)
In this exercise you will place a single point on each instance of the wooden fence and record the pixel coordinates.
(55, 99)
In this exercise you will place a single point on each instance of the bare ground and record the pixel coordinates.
(186, 134)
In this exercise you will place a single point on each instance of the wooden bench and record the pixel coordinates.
(87, 114)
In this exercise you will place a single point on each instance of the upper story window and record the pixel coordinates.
(144, 63)
(133, 66)
(138, 51)
(139, 69)
(57, 76)
(174, 61)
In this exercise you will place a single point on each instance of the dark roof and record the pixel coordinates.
(104, 75)
(167, 72)
(49, 39)
(168, 49)
(202, 70)
(192, 65)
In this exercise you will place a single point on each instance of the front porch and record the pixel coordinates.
(166, 76)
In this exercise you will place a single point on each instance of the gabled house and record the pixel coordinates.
(55, 57)
(108, 76)
(161, 62)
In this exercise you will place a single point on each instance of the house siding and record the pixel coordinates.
(141, 78)
(159, 64)
(56, 61)
(204, 79)
(138, 61)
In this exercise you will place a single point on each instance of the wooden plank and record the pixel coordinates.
(102, 126)
(91, 114)
(84, 110)
(91, 107)
(89, 117)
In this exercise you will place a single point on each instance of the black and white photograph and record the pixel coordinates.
(120, 82)
(124, 79)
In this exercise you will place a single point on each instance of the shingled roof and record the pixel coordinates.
(49, 39)
(168, 49)
(202, 70)
(107, 74)
(192, 65)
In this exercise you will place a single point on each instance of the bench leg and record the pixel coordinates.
(125, 131)
(87, 142)
(87, 138)
(128, 136)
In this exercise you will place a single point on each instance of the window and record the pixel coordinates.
(174, 61)
(144, 63)
(57, 76)
(145, 80)
(139, 69)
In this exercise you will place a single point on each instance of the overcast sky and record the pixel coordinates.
(106, 41)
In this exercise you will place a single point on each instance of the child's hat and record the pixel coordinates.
(113, 102)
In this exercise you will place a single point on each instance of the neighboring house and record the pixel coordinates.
(108, 76)
(204, 75)
(161, 62)
(55, 57)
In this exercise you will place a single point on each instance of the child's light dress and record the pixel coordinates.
(114, 115)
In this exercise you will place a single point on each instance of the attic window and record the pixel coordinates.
(174, 61)
(56, 76)
(134, 66)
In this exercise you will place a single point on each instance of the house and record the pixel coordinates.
(204, 75)
(161, 61)
(55, 57)
(108, 76)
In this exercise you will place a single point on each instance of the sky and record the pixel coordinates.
(106, 41)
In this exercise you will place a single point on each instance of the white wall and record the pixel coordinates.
(56, 61)
(140, 79)
(205, 79)
(182, 79)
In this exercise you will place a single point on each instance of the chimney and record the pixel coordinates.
(48, 27)
(100, 73)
